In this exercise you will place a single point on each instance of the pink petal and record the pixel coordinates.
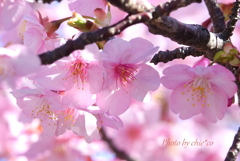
(49, 128)
(33, 38)
(12, 13)
(90, 53)
(217, 105)
(200, 71)
(176, 69)
(20, 93)
(116, 102)
(142, 50)
(116, 51)
(60, 129)
(100, 14)
(86, 8)
(91, 127)
(86, 125)
(228, 86)
(224, 78)
(26, 62)
(79, 98)
(53, 78)
(224, 72)
(183, 103)
(105, 119)
(202, 62)
(175, 76)
(146, 79)
(95, 78)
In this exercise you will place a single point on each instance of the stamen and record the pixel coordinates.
(44, 111)
(125, 73)
(78, 71)
(197, 90)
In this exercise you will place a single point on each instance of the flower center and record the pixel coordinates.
(125, 73)
(197, 91)
(43, 111)
(78, 71)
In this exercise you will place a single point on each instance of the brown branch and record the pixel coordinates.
(47, 1)
(216, 15)
(234, 149)
(132, 6)
(191, 35)
(91, 37)
(119, 153)
(166, 8)
(236, 72)
(182, 52)
(234, 17)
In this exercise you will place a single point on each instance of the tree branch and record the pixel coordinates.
(191, 35)
(216, 15)
(166, 8)
(132, 6)
(91, 37)
(234, 149)
(182, 52)
(234, 17)
(47, 1)
(119, 153)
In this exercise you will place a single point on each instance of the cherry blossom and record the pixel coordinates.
(11, 13)
(199, 90)
(14, 64)
(44, 104)
(39, 33)
(80, 76)
(128, 75)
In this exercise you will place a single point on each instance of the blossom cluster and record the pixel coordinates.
(92, 87)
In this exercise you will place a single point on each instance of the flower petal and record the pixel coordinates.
(116, 102)
(142, 50)
(175, 75)
(116, 51)
(216, 105)
(183, 103)
(11, 13)
(95, 78)
(79, 98)
(146, 79)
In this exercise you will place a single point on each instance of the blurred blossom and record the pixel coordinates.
(199, 90)
(55, 112)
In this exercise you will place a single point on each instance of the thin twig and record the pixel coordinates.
(234, 149)
(234, 17)
(182, 52)
(216, 15)
(47, 1)
(91, 37)
(166, 8)
(119, 153)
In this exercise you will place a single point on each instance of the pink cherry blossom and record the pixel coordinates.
(16, 61)
(11, 13)
(44, 104)
(80, 75)
(86, 8)
(199, 90)
(128, 75)
(56, 118)
(39, 33)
